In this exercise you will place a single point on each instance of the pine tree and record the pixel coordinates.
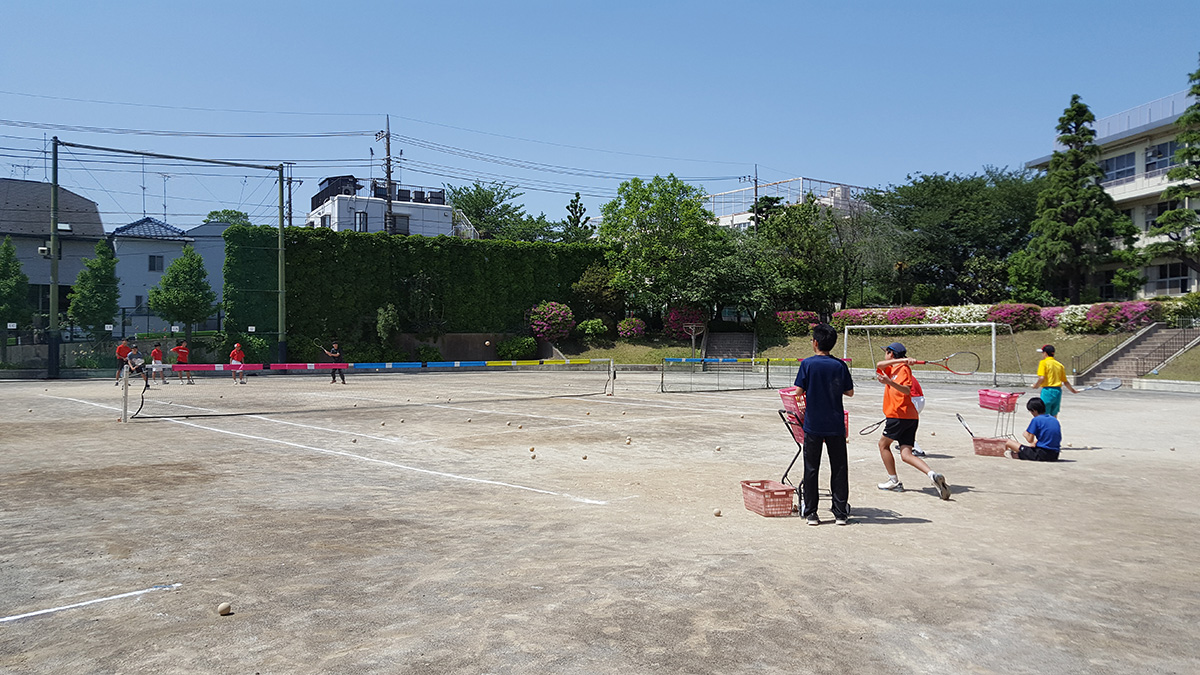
(1180, 227)
(1077, 220)
(183, 294)
(93, 298)
(575, 228)
(14, 293)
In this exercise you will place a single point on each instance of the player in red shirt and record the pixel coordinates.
(156, 363)
(122, 354)
(181, 356)
(237, 357)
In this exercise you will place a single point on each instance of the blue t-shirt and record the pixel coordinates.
(1047, 431)
(824, 380)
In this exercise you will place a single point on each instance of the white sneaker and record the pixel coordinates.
(939, 481)
(917, 451)
(892, 484)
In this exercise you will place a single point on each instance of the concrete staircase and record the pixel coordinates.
(1140, 355)
(729, 346)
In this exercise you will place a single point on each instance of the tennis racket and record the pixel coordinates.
(1107, 385)
(870, 428)
(964, 423)
(959, 363)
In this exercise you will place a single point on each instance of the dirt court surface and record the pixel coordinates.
(402, 524)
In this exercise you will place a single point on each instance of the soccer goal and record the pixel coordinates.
(994, 344)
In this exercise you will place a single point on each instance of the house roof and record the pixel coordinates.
(25, 210)
(150, 228)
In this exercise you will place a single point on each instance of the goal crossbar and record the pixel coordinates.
(976, 324)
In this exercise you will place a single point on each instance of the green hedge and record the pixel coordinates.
(337, 281)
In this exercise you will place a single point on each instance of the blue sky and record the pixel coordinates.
(863, 93)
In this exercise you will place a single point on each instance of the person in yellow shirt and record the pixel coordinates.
(1052, 377)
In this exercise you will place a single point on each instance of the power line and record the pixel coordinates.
(181, 134)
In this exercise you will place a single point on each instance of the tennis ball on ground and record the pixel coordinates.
(508, 424)
(520, 426)
(533, 457)
(531, 449)
(487, 343)
(717, 512)
(628, 441)
(585, 456)
(353, 440)
(224, 609)
(718, 448)
(468, 419)
(383, 424)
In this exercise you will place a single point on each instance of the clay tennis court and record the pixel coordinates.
(399, 524)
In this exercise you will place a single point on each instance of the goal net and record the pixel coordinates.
(994, 343)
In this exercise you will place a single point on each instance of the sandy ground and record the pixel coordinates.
(401, 524)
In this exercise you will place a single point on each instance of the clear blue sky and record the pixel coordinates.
(862, 93)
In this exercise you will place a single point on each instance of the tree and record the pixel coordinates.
(799, 240)
(93, 298)
(658, 231)
(575, 228)
(1077, 220)
(596, 295)
(526, 228)
(183, 294)
(228, 216)
(14, 293)
(488, 206)
(1180, 226)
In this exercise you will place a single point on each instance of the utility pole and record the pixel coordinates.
(282, 287)
(388, 224)
(52, 342)
(289, 192)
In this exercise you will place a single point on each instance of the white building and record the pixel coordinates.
(734, 209)
(339, 207)
(1137, 149)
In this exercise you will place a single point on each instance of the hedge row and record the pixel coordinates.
(1101, 317)
(337, 281)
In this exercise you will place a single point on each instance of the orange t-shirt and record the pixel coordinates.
(895, 404)
(123, 350)
(237, 355)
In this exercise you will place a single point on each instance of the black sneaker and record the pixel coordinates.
(813, 519)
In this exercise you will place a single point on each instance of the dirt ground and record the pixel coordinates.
(402, 524)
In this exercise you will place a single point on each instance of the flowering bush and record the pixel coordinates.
(858, 317)
(551, 321)
(1019, 316)
(1073, 319)
(899, 316)
(798, 322)
(677, 317)
(1050, 316)
(1104, 317)
(631, 328)
(961, 313)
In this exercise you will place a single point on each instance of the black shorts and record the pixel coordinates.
(1035, 454)
(903, 432)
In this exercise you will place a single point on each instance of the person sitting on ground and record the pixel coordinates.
(1044, 435)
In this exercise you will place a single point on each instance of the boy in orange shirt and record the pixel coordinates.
(902, 419)
(236, 358)
(122, 354)
(181, 357)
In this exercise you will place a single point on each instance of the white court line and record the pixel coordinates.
(130, 594)
(441, 474)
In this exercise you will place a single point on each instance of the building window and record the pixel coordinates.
(1161, 156)
(1119, 167)
(1172, 278)
(137, 302)
(397, 223)
(325, 221)
(156, 263)
(1155, 210)
(360, 221)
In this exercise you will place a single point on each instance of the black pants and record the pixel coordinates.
(839, 478)
(334, 373)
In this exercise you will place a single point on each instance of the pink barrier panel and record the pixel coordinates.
(216, 366)
(307, 366)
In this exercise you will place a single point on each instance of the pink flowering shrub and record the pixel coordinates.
(551, 321)
(631, 328)
(797, 322)
(1018, 315)
(677, 317)
(858, 317)
(898, 316)
(1104, 317)
(1050, 316)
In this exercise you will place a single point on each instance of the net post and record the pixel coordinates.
(995, 380)
(125, 393)
(612, 378)
(662, 377)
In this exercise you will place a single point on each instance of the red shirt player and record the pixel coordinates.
(237, 357)
(181, 357)
(122, 354)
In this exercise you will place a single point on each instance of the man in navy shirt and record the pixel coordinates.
(1043, 434)
(824, 380)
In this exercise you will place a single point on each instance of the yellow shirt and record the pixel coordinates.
(1053, 371)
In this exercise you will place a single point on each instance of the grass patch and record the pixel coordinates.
(1186, 367)
(645, 350)
(937, 345)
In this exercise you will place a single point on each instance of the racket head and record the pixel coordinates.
(1109, 384)
(870, 428)
(962, 363)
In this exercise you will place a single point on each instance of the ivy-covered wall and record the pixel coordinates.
(338, 281)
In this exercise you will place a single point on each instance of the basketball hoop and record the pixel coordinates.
(693, 329)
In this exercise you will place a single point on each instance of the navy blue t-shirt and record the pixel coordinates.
(824, 379)
(1047, 431)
